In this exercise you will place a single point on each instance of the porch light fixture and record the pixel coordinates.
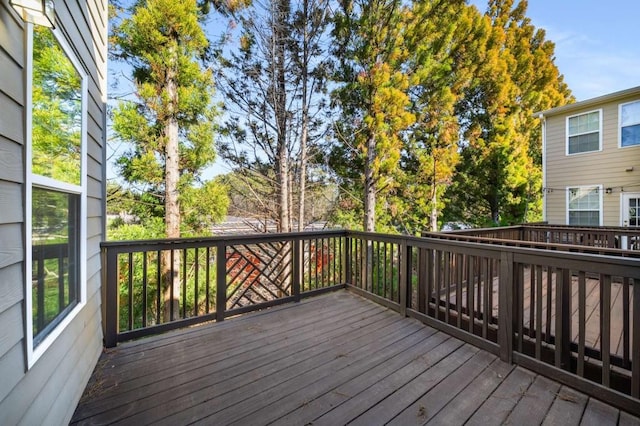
(39, 12)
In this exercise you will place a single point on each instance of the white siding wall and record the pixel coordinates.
(49, 391)
(606, 168)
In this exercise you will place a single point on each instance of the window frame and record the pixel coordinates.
(32, 180)
(620, 106)
(600, 190)
(567, 135)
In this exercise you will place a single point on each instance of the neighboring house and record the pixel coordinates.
(52, 156)
(591, 161)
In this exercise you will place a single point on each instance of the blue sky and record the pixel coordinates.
(597, 42)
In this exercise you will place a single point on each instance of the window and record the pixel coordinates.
(630, 124)
(56, 180)
(584, 206)
(584, 133)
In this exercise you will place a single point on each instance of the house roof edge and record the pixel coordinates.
(589, 102)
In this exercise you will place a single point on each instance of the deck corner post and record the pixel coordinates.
(221, 280)
(110, 310)
(405, 264)
(296, 269)
(505, 307)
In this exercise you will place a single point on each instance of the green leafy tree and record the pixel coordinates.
(498, 180)
(371, 94)
(170, 124)
(442, 38)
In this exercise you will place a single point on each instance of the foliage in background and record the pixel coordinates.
(169, 125)
(371, 94)
(499, 180)
(274, 89)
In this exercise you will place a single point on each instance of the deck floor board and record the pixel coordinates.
(332, 359)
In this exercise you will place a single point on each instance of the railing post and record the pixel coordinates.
(405, 264)
(422, 280)
(297, 269)
(221, 280)
(505, 307)
(346, 260)
(110, 278)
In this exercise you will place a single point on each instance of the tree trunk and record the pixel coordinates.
(370, 187)
(305, 119)
(280, 106)
(434, 210)
(172, 205)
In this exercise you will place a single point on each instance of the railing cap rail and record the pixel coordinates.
(163, 243)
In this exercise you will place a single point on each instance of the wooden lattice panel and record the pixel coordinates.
(258, 273)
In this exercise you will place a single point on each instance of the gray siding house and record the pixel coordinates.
(52, 156)
(591, 161)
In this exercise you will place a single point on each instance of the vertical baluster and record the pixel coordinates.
(487, 309)
(605, 328)
(635, 344)
(538, 311)
(519, 300)
(183, 314)
(447, 284)
(532, 299)
(436, 283)
(625, 322)
(458, 272)
(422, 280)
(207, 280)
(315, 264)
(130, 290)
(170, 284)
(549, 303)
(196, 309)
(158, 286)
(144, 288)
(558, 325)
(429, 253)
(471, 311)
(582, 300)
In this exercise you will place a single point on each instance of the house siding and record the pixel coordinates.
(48, 392)
(606, 167)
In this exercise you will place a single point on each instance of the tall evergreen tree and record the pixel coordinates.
(169, 125)
(443, 39)
(373, 102)
(498, 180)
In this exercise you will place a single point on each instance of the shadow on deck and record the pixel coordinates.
(328, 360)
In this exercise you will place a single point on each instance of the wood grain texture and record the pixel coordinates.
(331, 359)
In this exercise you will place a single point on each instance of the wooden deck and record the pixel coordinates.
(328, 360)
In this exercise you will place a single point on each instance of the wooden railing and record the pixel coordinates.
(154, 286)
(566, 315)
(609, 237)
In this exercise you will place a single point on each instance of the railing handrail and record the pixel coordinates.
(128, 246)
(584, 249)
